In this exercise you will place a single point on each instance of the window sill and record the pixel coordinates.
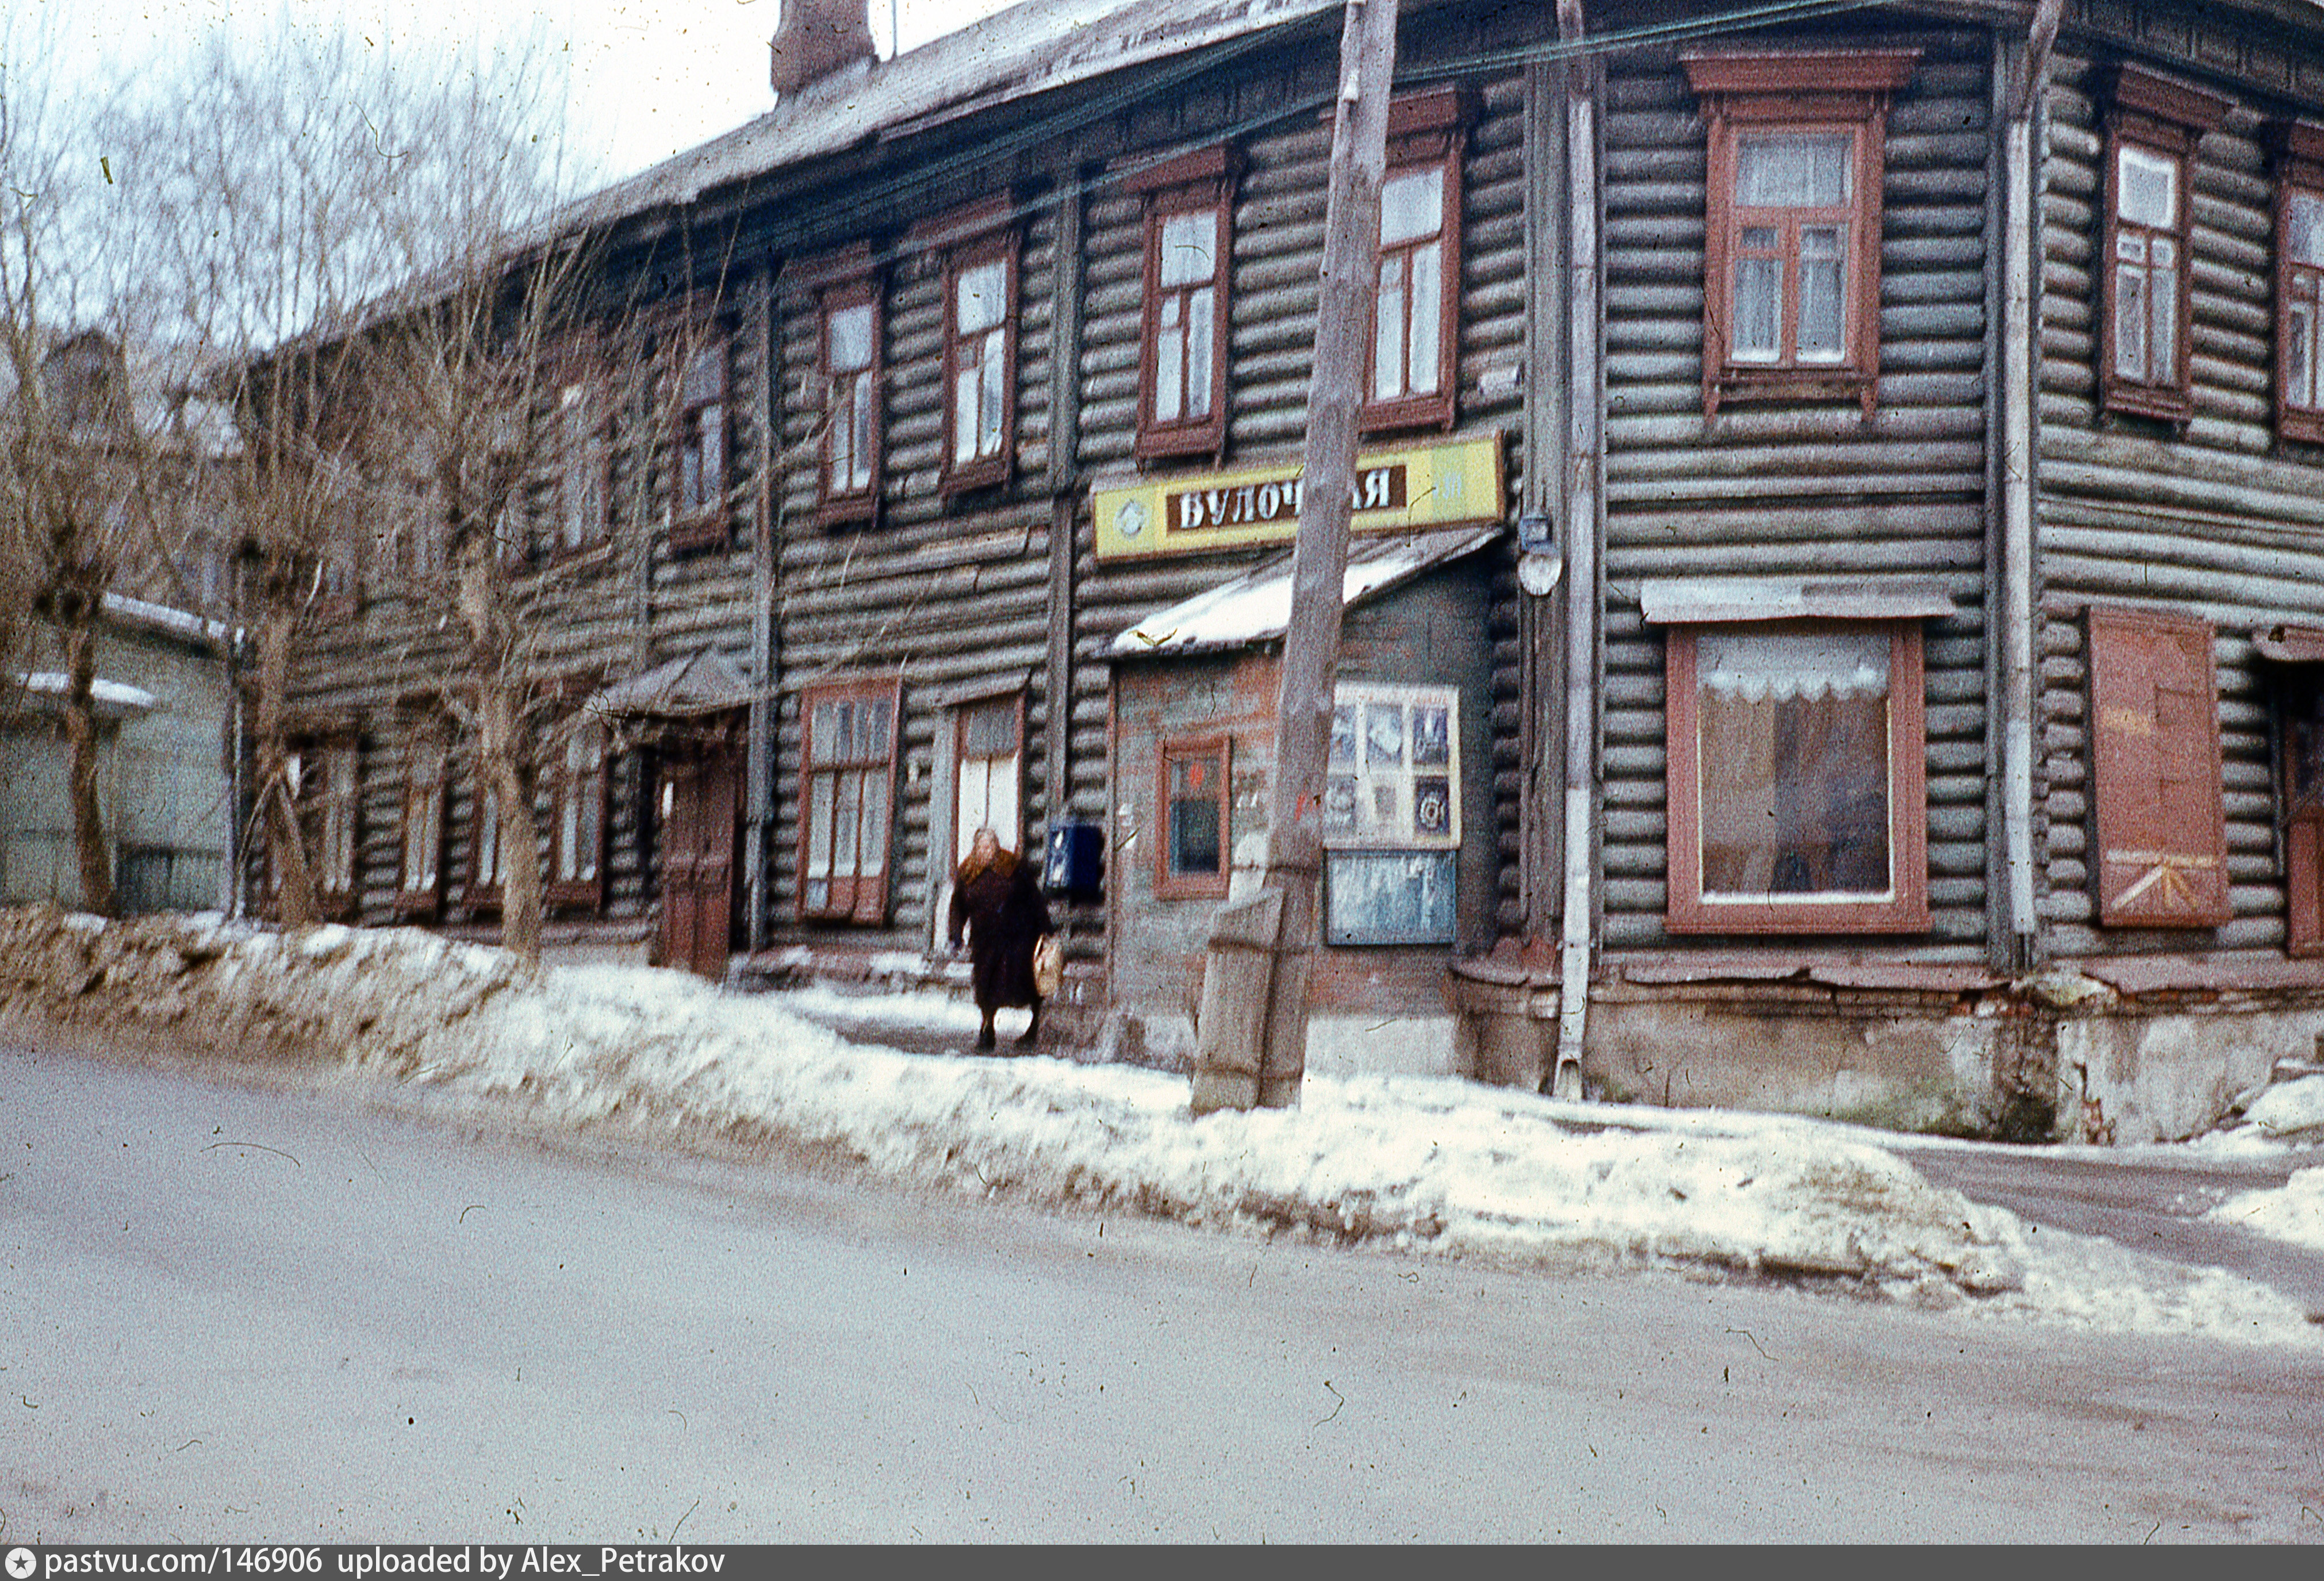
(1688, 914)
(691, 535)
(1159, 444)
(1747, 385)
(982, 474)
(1425, 411)
(1192, 889)
(2170, 406)
(860, 511)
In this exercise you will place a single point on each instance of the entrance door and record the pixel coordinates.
(2301, 703)
(699, 797)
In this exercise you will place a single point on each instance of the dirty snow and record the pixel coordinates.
(1439, 1166)
(2294, 1211)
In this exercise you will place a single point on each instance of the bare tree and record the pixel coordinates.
(349, 203)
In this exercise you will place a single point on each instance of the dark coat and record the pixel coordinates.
(1001, 906)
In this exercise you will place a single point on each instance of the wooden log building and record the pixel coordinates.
(1842, 493)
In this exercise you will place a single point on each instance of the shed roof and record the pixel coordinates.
(1257, 608)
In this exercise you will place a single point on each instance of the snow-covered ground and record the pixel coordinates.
(1438, 1166)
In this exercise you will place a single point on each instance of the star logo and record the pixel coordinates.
(21, 1564)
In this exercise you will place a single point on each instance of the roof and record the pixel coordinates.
(112, 699)
(703, 682)
(1029, 48)
(1257, 608)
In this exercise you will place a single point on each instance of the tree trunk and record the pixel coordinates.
(277, 808)
(81, 764)
(504, 759)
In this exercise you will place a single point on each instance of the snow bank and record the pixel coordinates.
(2294, 1211)
(1438, 1165)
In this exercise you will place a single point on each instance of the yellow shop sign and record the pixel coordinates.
(1397, 491)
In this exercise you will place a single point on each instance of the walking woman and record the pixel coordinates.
(997, 899)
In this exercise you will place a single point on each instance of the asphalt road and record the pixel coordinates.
(239, 1311)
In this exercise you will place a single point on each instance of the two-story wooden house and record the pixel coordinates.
(1838, 615)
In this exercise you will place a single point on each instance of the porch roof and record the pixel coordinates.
(703, 682)
(1256, 608)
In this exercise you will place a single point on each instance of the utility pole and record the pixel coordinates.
(1254, 1024)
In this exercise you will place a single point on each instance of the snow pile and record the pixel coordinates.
(1439, 1165)
(2294, 1211)
(2289, 1109)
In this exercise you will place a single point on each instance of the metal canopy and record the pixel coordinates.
(704, 681)
(1256, 608)
(1706, 600)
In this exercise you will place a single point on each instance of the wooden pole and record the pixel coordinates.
(1227, 1077)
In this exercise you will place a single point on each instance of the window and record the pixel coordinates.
(2300, 725)
(2152, 127)
(988, 772)
(1796, 775)
(336, 801)
(1393, 771)
(852, 415)
(1411, 363)
(1791, 222)
(2154, 768)
(1197, 846)
(2300, 280)
(1182, 387)
(576, 814)
(583, 512)
(484, 847)
(419, 881)
(849, 772)
(703, 435)
(979, 367)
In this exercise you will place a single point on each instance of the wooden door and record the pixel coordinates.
(700, 794)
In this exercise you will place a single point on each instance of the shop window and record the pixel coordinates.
(1197, 846)
(1182, 388)
(702, 472)
(419, 881)
(1797, 766)
(979, 345)
(852, 414)
(1391, 815)
(576, 814)
(1791, 222)
(2300, 280)
(1411, 363)
(2154, 768)
(2152, 127)
(849, 782)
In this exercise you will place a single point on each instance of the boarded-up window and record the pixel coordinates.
(2155, 751)
(849, 783)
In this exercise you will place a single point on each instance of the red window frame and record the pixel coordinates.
(1216, 755)
(1202, 183)
(975, 239)
(1803, 92)
(845, 392)
(2299, 148)
(856, 897)
(1427, 131)
(1905, 907)
(2158, 798)
(702, 460)
(2162, 120)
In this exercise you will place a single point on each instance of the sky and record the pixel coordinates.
(650, 78)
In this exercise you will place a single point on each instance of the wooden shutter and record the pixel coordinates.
(2154, 747)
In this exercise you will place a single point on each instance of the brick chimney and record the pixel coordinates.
(817, 37)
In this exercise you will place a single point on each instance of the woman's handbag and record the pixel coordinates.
(1048, 966)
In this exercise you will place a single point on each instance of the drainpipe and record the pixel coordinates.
(2019, 491)
(1584, 447)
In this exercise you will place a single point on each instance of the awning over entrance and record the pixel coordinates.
(704, 681)
(1257, 607)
